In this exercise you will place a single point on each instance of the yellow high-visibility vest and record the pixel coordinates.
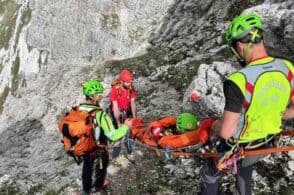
(267, 85)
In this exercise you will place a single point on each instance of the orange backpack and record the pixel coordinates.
(76, 128)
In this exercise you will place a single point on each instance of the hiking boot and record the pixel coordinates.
(105, 184)
(131, 157)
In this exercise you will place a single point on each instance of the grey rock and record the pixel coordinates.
(48, 48)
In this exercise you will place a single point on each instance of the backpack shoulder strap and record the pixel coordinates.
(116, 84)
(102, 137)
(99, 118)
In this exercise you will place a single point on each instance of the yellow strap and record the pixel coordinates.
(254, 34)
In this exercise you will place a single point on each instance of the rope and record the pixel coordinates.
(246, 152)
(287, 133)
(169, 153)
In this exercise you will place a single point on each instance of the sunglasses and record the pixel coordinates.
(96, 96)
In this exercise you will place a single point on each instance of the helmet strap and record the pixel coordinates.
(236, 54)
(255, 38)
(245, 51)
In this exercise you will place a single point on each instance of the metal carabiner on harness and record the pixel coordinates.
(228, 160)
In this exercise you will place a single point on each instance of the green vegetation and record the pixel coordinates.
(51, 192)
(142, 182)
(9, 190)
(110, 21)
(3, 97)
(15, 76)
(63, 173)
(25, 19)
(237, 8)
(178, 76)
(8, 11)
(34, 189)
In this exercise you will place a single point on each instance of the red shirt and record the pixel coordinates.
(122, 96)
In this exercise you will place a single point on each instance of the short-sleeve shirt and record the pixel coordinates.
(234, 97)
(123, 97)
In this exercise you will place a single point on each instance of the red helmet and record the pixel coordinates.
(126, 76)
(156, 131)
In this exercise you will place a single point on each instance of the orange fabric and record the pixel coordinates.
(76, 122)
(164, 122)
(178, 141)
(67, 144)
(143, 134)
(85, 144)
(204, 129)
(80, 126)
(201, 134)
(148, 138)
(138, 127)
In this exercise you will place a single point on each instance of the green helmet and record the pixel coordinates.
(241, 26)
(92, 87)
(185, 122)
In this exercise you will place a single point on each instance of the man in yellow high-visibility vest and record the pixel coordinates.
(258, 97)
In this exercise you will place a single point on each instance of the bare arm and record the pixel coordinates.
(225, 128)
(134, 107)
(289, 114)
(115, 110)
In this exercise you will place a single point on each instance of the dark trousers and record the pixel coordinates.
(210, 176)
(93, 163)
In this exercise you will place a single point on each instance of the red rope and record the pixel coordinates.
(246, 153)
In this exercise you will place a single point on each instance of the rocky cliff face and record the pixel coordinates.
(48, 48)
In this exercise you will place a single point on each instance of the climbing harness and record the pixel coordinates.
(253, 144)
(227, 160)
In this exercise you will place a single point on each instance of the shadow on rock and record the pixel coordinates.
(17, 137)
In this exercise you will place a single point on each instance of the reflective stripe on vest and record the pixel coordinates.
(256, 71)
(268, 92)
(291, 80)
(290, 75)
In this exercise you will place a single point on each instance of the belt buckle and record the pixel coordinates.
(231, 142)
